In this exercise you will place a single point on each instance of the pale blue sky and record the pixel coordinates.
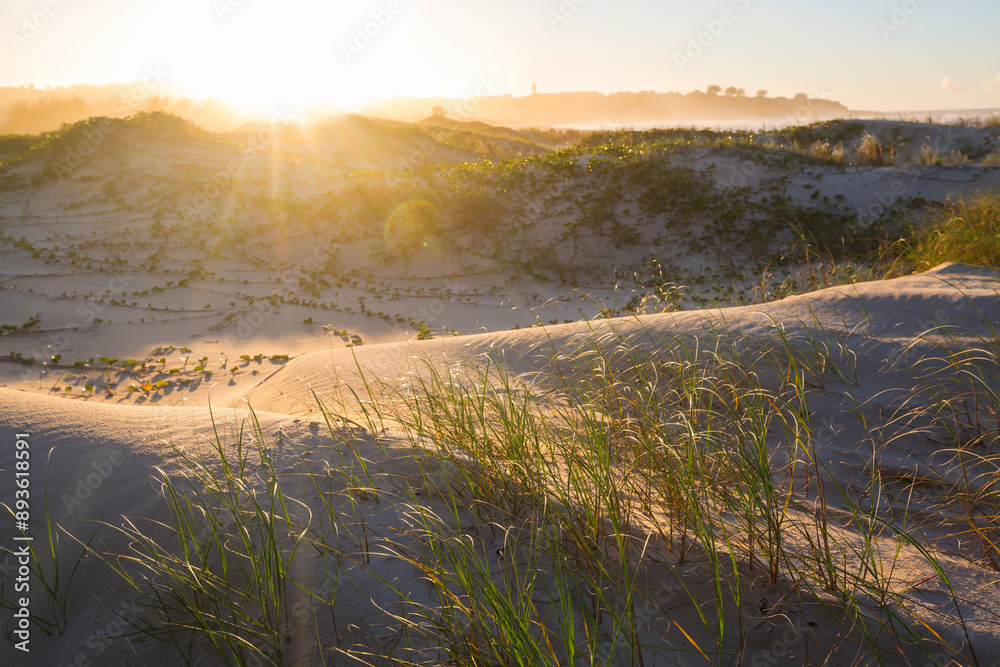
(869, 54)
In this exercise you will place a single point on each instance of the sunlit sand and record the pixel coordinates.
(310, 304)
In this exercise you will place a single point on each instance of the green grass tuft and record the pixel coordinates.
(964, 232)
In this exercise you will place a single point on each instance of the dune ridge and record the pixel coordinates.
(880, 330)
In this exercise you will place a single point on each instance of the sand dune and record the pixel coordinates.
(313, 329)
(98, 459)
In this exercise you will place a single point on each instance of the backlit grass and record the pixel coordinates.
(961, 231)
(633, 499)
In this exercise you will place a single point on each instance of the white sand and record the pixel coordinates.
(105, 441)
(102, 452)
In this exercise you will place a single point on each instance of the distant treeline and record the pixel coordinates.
(617, 108)
(27, 110)
(31, 111)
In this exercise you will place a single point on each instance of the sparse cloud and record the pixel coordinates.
(993, 84)
(950, 85)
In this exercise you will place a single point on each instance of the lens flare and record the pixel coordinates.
(411, 227)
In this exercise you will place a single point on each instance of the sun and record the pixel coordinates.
(258, 61)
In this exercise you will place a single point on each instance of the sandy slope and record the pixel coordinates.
(122, 261)
(140, 246)
(96, 457)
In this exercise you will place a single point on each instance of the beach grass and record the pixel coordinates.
(632, 500)
(635, 496)
(966, 231)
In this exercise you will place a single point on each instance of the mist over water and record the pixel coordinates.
(939, 117)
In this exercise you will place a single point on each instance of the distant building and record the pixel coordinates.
(534, 88)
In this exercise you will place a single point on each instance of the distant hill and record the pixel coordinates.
(27, 110)
(614, 109)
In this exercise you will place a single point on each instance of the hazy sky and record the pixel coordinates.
(868, 54)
